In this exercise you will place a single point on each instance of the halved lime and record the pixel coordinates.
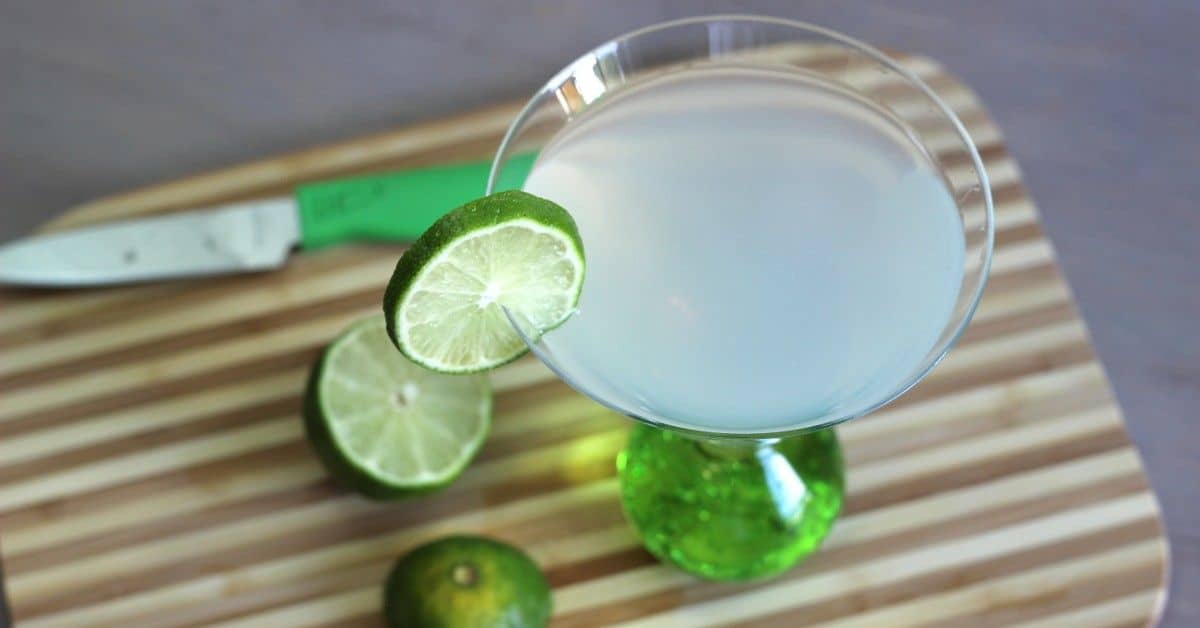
(445, 303)
(466, 581)
(385, 426)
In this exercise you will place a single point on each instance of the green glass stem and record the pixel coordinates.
(731, 509)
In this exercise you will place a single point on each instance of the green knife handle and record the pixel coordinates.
(397, 206)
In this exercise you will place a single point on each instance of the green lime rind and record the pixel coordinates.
(343, 466)
(512, 207)
(466, 581)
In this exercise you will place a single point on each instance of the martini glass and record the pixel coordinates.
(785, 229)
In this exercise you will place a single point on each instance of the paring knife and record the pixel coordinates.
(255, 235)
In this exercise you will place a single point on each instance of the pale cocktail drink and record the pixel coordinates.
(765, 250)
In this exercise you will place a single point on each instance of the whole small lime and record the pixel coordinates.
(466, 581)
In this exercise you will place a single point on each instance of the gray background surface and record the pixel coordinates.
(1098, 100)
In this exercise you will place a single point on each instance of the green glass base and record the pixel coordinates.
(731, 509)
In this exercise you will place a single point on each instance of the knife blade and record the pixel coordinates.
(244, 237)
(255, 235)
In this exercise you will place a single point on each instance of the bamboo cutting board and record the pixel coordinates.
(153, 470)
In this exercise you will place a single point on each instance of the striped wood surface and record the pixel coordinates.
(153, 470)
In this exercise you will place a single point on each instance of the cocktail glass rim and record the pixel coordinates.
(937, 354)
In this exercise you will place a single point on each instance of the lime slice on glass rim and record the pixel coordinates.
(387, 427)
(445, 305)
